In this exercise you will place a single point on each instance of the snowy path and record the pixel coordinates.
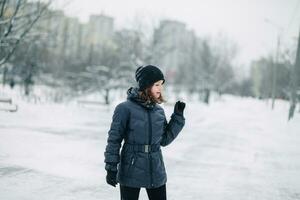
(232, 149)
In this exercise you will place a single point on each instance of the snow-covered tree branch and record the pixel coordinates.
(17, 18)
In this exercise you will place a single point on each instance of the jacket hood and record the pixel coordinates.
(133, 95)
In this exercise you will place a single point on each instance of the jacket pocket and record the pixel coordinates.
(131, 164)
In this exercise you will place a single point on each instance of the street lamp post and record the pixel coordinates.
(275, 63)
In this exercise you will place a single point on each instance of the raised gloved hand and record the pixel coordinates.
(111, 178)
(179, 107)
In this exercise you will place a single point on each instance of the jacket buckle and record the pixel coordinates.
(147, 148)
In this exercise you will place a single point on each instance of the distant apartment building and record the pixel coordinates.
(68, 36)
(72, 36)
(100, 29)
(173, 38)
(55, 25)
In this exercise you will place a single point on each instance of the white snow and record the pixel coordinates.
(236, 148)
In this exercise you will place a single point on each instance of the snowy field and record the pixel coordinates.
(235, 148)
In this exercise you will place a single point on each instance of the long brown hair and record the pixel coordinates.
(146, 95)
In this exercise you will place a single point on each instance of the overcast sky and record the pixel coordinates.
(240, 20)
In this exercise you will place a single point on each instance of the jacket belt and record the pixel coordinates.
(145, 148)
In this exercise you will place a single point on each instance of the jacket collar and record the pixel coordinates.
(133, 95)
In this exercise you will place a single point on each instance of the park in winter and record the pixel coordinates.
(210, 91)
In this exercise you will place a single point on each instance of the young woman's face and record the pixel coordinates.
(157, 88)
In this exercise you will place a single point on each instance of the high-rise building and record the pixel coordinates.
(172, 38)
(100, 29)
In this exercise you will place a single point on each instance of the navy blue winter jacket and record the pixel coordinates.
(143, 128)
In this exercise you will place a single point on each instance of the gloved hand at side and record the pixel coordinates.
(111, 178)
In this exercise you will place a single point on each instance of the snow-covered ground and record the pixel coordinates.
(235, 148)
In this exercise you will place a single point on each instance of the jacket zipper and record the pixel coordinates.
(150, 141)
(132, 160)
(131, 163)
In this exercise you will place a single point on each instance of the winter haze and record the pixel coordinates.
(65, 65)
(241, 20)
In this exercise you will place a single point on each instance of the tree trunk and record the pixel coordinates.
(4, 76)
(295, 84)
(206, 95)
(106, 97)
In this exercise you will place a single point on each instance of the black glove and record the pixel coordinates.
(111, 178)
(179, 108)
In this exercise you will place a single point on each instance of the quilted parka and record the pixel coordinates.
(140, 128)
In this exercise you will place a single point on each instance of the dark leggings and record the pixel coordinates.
(130, 193)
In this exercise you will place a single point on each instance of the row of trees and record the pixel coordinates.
(40, 45)
(31, 52)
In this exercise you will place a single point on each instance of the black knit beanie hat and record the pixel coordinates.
(147, 76)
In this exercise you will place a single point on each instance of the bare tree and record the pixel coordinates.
(105, 78)
(17, 17)
(216, 66)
